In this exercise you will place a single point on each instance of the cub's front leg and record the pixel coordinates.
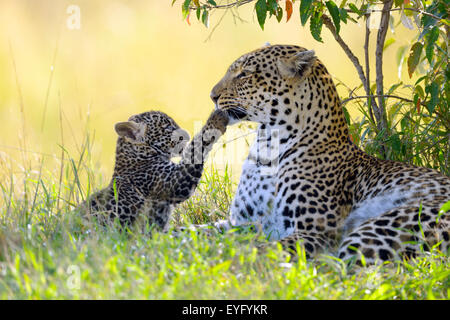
(178, 181)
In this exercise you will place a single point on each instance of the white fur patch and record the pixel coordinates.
(374, 207)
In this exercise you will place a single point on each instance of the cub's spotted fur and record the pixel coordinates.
(145, 180)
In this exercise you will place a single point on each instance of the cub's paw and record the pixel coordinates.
(218, 120)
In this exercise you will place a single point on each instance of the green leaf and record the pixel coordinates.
(404, 122)
(279, 14)
(185, 8)
(272, 6)
(388, 42)
(315, 26)
(261, 12)
(433, 35)
(433, 90)
(363, 8)
(395, 142)
(355, 9)
(334, 11)
(343, 14)
(420, 92)
(346, 115)
(205, 19)
(420, 80)
(414, 57)
(398, 3)
(212, 2)
(305, 10)
(198, 13)
(445, 208)
(394, 87)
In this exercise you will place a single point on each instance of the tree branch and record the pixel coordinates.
(237, 3)
(329, 24)
(385, 96)
(380, 115)
(366, 55)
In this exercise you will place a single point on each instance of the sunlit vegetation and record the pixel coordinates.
(63, 86)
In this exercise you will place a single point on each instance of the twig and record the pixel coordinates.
(217, 24)
(385, 96)
(237, 3)
(410, 9)
(329, 24)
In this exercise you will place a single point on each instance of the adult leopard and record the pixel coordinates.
(304, 179)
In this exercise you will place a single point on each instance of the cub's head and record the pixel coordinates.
(259, 86)
(149, 133)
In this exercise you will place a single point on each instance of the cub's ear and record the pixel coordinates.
(298, 65)
(129, 129)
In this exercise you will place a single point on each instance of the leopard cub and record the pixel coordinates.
(145, 180)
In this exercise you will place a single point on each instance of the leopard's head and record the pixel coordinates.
(151, 132)
(261, 84)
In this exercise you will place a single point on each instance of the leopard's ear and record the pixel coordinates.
(298, 65)
(129, 129)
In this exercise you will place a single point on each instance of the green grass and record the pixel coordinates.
(46, 254)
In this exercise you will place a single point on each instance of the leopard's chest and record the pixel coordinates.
(254, 200)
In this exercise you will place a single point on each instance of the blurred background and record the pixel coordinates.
(61, 81)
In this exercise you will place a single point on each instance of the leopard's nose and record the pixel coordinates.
(214, 97)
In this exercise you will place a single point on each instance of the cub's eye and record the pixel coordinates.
(243, 74)
(169, 127)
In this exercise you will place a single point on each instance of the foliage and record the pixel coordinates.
(46, 254)
(414, 129)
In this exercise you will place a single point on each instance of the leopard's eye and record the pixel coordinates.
(243, 74)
